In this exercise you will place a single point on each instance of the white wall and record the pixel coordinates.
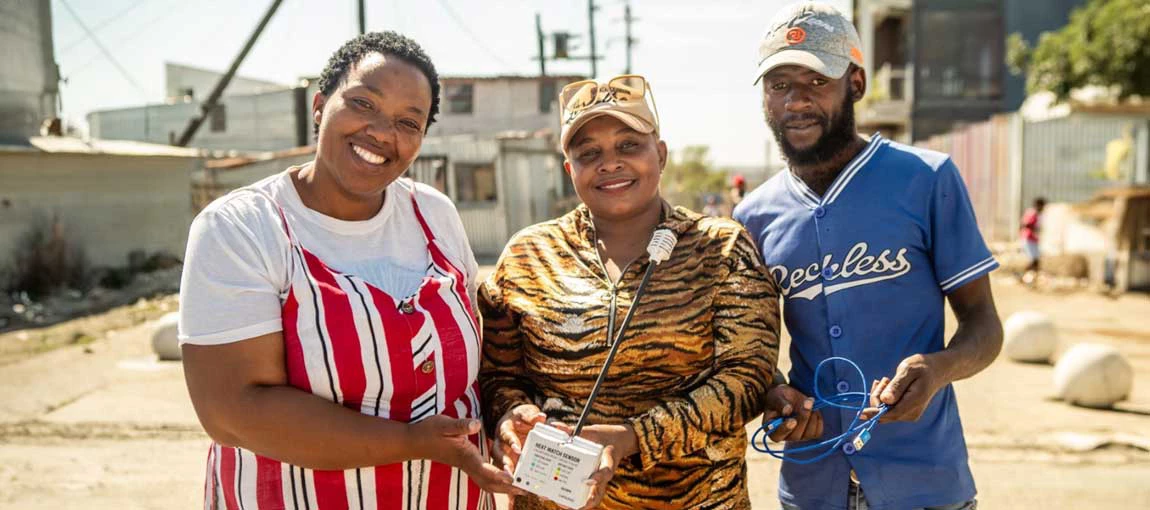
(259, 122)
(499, 105)
(1064, 232)
(239, 177)
(529, 179)
(110, 205)
(179, 77)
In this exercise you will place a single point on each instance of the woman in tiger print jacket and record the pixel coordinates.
(696, 361)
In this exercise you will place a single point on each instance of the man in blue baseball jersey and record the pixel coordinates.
(867, 239)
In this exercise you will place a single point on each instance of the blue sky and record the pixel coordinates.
(698, 56)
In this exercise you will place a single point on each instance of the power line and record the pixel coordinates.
(103, 49)
(145, 27)
(474, 38)
(111, 19)
(209, 104)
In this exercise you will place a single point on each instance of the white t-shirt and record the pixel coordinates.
(237, 267)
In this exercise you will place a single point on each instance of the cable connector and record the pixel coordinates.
(854, 436)
(861, 440)
(774, 425)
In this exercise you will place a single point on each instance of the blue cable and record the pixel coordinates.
(850, 441)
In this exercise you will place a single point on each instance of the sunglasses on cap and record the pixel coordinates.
(581, 95)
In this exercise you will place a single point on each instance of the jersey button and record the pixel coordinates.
(427, 367)
(407, 308)
(820, 211)
(843, 386)
(836, 331)
(828, 273)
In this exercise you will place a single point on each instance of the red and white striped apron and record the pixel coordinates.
(400, 359)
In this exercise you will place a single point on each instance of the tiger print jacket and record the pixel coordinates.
(694, 367)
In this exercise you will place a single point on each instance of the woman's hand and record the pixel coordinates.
(447, 441)
(511, 433)
(619, 441)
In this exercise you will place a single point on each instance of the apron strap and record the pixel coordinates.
(419, 216)
(279, 209)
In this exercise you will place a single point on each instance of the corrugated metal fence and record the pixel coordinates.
(1007, 162)
(1065, 160)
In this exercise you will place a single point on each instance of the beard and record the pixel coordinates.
(838, 133)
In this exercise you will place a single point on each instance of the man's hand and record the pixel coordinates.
(908, 393)
(511, 433)
(802, 423)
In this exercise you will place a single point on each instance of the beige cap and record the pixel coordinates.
(634, 113)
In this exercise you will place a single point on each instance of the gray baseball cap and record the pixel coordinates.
(813, 35)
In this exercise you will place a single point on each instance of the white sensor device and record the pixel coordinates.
(555, 465)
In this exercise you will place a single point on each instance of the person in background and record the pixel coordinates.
(688, 374)
(712, 207)
(330, 342)
(1028, 235)
(868, 239)
(737, 191)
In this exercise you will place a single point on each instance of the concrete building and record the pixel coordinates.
(491, 105)
(261, 117)
(254, 116)
(109, 197)
(492, 148)
(29, 77)
(267, 121)
(106, 198)
(935, 64)
(883, 27)
(182, 81)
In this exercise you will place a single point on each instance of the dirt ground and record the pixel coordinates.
(101, 425)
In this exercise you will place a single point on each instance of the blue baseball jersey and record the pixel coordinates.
(864, 271)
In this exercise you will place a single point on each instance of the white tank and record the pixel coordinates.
(29, 78)
(1093, 375)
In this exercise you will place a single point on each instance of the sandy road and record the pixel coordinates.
(111, 429)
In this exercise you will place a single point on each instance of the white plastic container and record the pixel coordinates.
(556, 467)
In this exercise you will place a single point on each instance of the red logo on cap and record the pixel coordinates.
(796, 35)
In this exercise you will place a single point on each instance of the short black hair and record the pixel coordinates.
(387, 43)
(1040, 202)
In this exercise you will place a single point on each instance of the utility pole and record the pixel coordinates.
(539, 36)
(210, 103)
(591, 21)
(562, 44)
(627, 20)
(362, 20)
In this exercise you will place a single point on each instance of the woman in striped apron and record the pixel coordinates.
(330, 341)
